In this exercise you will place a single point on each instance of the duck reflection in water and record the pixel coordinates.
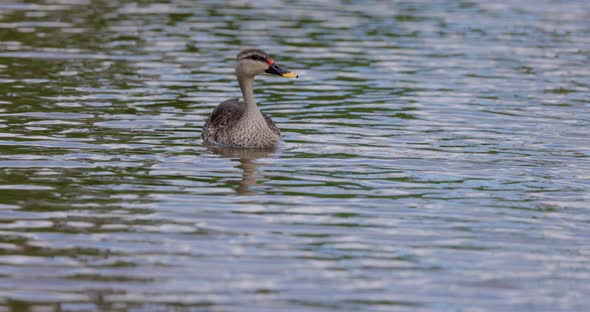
(248, 163)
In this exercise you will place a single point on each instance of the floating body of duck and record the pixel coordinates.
(235, 123)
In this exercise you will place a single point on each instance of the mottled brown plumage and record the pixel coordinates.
(218, 128)
(235, 123)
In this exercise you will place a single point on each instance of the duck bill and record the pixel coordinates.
(275, 69)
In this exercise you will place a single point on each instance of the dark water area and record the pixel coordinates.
(436, 157)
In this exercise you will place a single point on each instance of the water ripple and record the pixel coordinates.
(435, 156)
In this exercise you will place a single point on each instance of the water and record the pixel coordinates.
(436, 156)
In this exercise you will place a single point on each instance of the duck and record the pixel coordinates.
(234, 123)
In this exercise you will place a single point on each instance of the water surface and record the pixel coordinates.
(436, 156)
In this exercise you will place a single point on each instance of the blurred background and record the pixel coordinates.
(436, 157)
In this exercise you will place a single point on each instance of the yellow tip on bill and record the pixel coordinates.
(290, 75)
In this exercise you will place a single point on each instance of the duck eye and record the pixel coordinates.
(255, 56)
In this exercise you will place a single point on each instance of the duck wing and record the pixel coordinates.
(271, 124)
(223, 117)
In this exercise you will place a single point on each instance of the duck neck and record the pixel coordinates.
(251, 110)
